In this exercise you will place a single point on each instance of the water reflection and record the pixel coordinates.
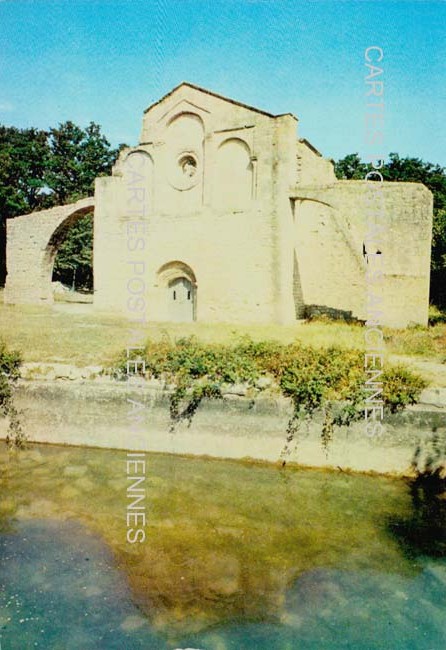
(62, 591)
(334, 610)
(423, 532)
(235, 557)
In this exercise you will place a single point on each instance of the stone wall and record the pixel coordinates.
(99, 414)
(311, 167)
(330, 235)
(225, 225)
(32, 243)
(221, 205)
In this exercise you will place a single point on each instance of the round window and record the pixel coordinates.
(185, 172)
(188, 166)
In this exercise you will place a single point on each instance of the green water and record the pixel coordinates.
(236, 556)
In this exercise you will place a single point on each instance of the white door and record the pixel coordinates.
(181, 300)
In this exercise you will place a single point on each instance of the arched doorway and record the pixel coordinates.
(181, 300)
(179, 286)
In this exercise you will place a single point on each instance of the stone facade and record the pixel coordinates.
(221, 214)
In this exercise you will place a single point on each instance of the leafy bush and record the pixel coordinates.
(401, 387)
(331, 380)
(10, 362)
(436, 315)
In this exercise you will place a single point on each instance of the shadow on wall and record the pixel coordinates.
(317, 311)
(299, 305)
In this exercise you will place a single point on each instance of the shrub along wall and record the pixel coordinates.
(328, 380)
(10, 362)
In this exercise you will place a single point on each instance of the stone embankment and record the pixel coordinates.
(63, 404)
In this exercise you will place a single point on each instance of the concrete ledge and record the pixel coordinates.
(108, 414)
(433, 397)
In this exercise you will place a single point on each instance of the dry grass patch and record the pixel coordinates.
(76, 334)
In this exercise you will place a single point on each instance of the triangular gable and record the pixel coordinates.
(207, 92)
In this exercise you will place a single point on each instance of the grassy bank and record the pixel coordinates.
(76, 334)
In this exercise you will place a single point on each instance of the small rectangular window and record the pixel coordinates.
(174, 295)
(188, 295)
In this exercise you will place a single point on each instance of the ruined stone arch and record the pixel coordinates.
(52, 247)
(32, 244)
(238, 145)
(324, 239)
(338, 223)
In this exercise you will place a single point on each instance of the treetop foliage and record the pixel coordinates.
(411, 170)
(77, 157)
(40, 169)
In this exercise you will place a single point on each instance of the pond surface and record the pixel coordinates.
(237, 556)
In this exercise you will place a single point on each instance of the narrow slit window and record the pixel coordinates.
(174, 295)
(188, 295)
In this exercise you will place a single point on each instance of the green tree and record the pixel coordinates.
(74, 260)
(415, 170)
(40, 169)
(350, 168)
(77, 157)
(438, 260)
(23, 161)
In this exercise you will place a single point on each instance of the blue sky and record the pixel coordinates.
(107, 60)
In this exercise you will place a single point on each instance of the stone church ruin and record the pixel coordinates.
(222, 214)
